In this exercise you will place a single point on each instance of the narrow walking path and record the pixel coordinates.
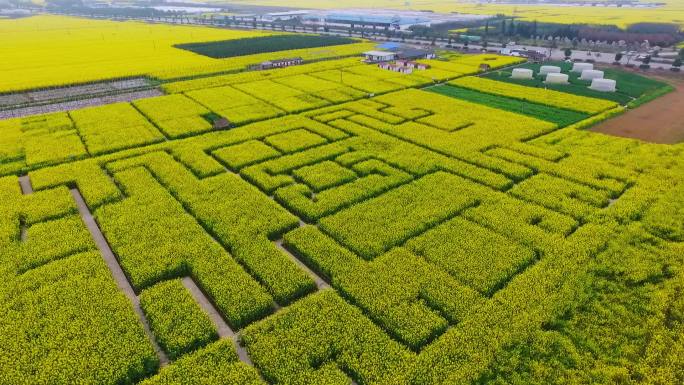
(25, 184)
(26, 189)
(320, 282)
(223, 329)
(115, 268)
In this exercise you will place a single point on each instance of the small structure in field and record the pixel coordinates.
(603, 85)
(556, 78)
(522, 73)
(580, 67)
(403, 66)
(484, 67)
(545, 70)
(591, 75)
(411, 64)
(221, 123)
(280, 63)
(395, 67)
(379, 56)
(534, 56)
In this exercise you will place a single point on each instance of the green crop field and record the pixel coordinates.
(559, 116)
(256, 45)
(349, 225)
(630, 87)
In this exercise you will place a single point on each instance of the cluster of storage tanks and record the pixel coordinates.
(554, 76)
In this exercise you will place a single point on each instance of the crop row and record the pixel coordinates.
(155, 240)
(113, 127)
(216, 364)
(558, 116)
(412, 300)
(176, 320)
(62, 307)
(322, 339)
(244, 77)
(237, 215)
(536, 95)
(374, 226)
(175, 115)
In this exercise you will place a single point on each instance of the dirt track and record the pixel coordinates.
(660, 121)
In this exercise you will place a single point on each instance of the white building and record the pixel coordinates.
(379, 56)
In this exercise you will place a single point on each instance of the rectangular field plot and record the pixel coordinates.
(375, 226)
(114, 127)
(255, 45)
(237, 106)
(541, 96)
(555, 115)
(175, 115)
(476, 256)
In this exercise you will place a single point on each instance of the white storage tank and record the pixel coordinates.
(604, 85)
(549, 70)
(579, 67)
(522, 73)
(555, 78)
(591, 75)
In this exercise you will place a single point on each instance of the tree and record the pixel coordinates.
(618, 57)
(677, 63)
(681, 53)
(512, 30)
(647, 60)
(568, 53)
(503, 27)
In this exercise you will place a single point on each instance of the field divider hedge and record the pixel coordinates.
(116, 270)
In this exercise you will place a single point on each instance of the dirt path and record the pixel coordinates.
(660, 121)
(115, 268)
(25, 184)
(222, 327)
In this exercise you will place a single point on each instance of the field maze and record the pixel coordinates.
(348, 227)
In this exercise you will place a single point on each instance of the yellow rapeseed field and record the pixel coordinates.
(672, 12)
(53, 50)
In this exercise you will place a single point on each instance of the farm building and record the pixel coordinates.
(280, 63)
(413, 54)
(396, 68)
(282, 16)
(531, 55)
(387, 19)
(379, 56)
(412, 64)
